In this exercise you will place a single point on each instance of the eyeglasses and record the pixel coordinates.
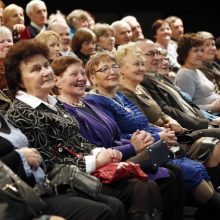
(153, 53)
(107, 69)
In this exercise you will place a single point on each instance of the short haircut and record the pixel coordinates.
(81, 35)
(186, 43)
(94, 60)
(61, 64)
(21, 51)
(205, 35)
(7, 12)
(31, 4)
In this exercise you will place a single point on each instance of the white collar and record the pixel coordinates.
(34, 102)
(39, 28)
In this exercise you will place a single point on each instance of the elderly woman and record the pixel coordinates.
(207, 66)
(83, 44)
(130, 86)
(102, 72)
(13, 18)
(49, 127)
(105, 39)
(95, 126)
(52, 40)
(25, 162)
(190, 79)
(208, 154)
(101, 130)
(6, 42)
(162, 34)
(79, 18)
(104, 92)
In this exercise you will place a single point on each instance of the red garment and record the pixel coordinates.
(25, 34)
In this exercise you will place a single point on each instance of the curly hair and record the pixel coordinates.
(94, 61)
(186, 43)
(21, 52)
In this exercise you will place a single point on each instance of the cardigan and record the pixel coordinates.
(146, 104)
(123, 145)
(99, 128)
(127, 115)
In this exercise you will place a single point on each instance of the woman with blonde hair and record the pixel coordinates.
(52, 40)
(49, 127)
(13, 18)
(102, 72)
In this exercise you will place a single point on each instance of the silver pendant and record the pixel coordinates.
(128, 110)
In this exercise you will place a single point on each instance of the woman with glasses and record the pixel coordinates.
(103, 73)
(129, 117)
(49, 127)
(101, 130)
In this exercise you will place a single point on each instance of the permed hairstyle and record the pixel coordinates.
(21, 52)
(186, 43)
(92, 64)
(126, 49)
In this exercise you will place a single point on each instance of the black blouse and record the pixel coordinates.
(47, 129)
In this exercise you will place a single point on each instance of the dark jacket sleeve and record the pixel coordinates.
(14, 162)
(167, 104)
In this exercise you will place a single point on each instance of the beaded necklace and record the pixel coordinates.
(80, 104)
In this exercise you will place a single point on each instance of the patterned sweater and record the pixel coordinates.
(47, 129)
(128, 117)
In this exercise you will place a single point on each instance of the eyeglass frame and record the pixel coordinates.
(114, 67)
(154, 52)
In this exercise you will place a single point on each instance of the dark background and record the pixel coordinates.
(196, 15)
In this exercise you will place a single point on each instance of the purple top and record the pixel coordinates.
(100, 129)
(103, 131)
(126, 114)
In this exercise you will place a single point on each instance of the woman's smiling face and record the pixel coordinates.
(37, 76)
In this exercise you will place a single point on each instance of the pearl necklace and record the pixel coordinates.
(80, 104)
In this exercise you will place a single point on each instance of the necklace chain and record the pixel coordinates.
(117, 100)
